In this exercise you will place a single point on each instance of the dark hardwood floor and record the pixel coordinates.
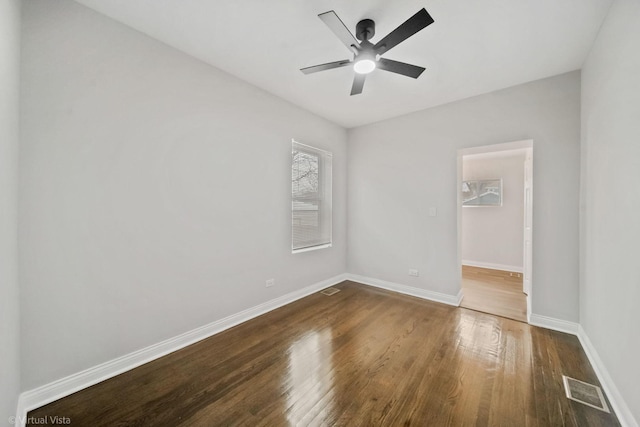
(362, 357)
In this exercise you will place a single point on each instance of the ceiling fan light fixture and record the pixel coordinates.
(367, 56)
(364, 66)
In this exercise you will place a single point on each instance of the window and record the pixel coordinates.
(310, 198)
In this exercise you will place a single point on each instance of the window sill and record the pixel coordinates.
(311, 248)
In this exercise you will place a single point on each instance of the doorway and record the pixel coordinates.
(495, 228)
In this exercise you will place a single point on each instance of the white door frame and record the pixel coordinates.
(527, 255)
(527, 250)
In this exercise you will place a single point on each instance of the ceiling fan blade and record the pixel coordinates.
(358, 84)
(400, 68)
(327, 66)
(411, 26)
(336, 25)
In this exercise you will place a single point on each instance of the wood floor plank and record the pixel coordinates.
(494, 292)
(363, 356)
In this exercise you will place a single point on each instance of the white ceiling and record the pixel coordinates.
(473, 47)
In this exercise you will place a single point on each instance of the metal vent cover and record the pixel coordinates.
(330, 291)
(585, 393)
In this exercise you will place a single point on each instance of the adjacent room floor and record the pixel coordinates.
(362, 356)
(493, 292)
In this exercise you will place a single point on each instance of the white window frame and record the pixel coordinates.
(323, 200)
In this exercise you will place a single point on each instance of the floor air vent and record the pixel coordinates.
(330, 291)
(585, 393)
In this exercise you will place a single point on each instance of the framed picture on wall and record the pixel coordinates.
(482, 192)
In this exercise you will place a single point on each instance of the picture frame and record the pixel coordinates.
(482, 192)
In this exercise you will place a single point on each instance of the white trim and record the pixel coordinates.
(507, 152)
(58, 389)
(553, 324)
(459, 298)
(408, 290)
(311, 248)
(492, 266)
(515, 145)
(620, 407)
(312, 148)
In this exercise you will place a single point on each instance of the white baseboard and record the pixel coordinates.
(492, 266)
(553, 324)
(619, 405)
(55, 390)
(408, 290)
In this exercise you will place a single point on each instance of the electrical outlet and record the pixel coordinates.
(413, 272)
(270, 283)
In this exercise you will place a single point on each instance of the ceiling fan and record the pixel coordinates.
(366, 54)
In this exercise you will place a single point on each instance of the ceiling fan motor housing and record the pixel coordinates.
(365, 30)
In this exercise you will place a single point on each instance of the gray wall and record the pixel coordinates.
(9, 299)
(400, 167)
(155, 192)
(493, 236)
(610, 230)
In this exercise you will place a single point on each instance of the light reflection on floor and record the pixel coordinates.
(475, 336)
(310, 376)
(485, 339)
